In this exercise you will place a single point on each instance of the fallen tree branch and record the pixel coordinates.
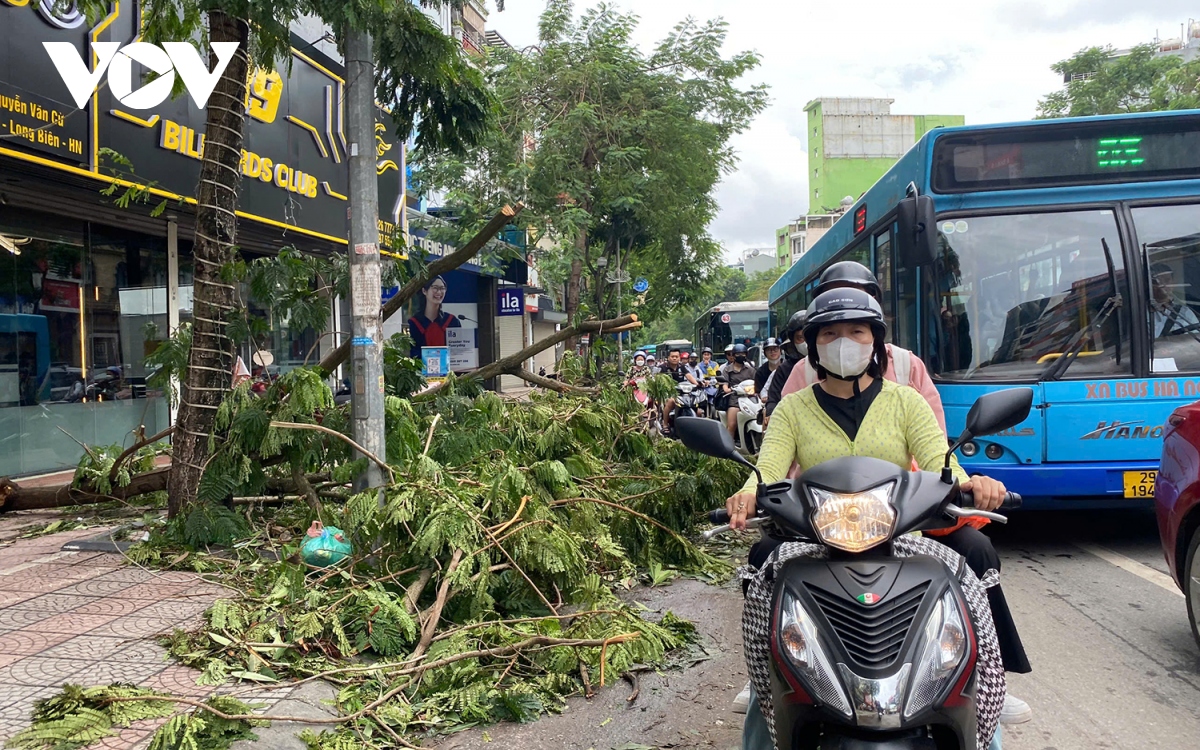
(552, 384)
(539, 642)
(15, 497)
(512, 363)
(435, 612)
(112, 473)
(321, 428)
(446, 263)
(618, 506)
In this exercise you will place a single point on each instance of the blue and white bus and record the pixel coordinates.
(1058, 254)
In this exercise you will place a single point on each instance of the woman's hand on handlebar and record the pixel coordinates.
(988, 492)
(740, 506)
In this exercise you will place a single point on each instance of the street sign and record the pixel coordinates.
(510, 301)
(641, 285)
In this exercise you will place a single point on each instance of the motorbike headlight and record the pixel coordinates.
(854, 521)
(802, 649)
(946, 644)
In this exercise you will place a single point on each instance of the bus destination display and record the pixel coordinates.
(1050, 156)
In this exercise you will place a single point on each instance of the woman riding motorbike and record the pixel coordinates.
(907, 369)
(851, 410)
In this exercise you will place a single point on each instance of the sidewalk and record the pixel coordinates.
(88, 618)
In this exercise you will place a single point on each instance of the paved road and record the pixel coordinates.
(1115, 665)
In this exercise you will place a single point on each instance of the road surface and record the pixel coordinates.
(1115, 665)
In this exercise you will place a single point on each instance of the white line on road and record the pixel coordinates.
(1145, 572)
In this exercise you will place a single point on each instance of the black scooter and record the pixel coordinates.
(869, 651)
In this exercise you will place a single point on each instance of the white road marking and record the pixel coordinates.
(1145, 572)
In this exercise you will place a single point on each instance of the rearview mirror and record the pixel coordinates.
(707, 436)
(918, 231)
(991, 413)
(999, 410)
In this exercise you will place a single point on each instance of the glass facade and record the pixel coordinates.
(81, 306)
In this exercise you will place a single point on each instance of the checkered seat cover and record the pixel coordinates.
(756, 625)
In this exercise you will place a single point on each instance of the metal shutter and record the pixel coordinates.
(512, 340)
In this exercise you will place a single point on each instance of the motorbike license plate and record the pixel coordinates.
(1139, 484)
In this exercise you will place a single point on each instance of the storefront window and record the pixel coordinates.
(74, 327)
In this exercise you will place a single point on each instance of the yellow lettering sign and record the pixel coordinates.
(263, 95)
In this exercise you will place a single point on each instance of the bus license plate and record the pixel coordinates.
(1140, 483)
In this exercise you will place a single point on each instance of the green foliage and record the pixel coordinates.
(170, 359)
(79, 716)
(723, 285)
(758, 285)
(202, 730)
(615, 151)
(508, 489)
(97, 462)
(1100, 83)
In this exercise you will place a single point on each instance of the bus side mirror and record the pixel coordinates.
(918, 230)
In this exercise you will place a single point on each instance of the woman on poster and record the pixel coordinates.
(428, 327)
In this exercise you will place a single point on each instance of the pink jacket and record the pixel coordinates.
(803, 376)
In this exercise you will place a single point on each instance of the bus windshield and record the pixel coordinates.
(1012, 294)
(747, 327)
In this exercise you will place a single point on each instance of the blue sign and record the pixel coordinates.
(435, 361)
(510, 301)
(641, 285)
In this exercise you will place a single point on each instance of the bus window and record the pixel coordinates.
(1170, 238)
(1009, 294)
(883, 272)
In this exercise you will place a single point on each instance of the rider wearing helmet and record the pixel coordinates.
(767, 373)
(794, 350)
(851, 410)
(905, 368)
(706, 367)
(679, 372)
(737, 371)
(728, 354)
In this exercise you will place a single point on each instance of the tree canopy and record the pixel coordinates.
(1102, 83)
(611, 149)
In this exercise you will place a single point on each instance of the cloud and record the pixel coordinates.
(936, 70)
(1037, 15)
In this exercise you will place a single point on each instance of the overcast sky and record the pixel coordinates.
(986, 59)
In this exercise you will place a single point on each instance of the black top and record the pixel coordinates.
(678, 373)
(775, 392)
(848, 413)
(760, 377)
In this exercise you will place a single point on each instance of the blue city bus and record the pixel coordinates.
(1063, 255)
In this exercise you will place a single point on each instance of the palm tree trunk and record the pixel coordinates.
(210, 361)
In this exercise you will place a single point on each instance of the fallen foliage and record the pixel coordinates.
(484, 580)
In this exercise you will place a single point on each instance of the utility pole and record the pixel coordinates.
(620, 336)
(366, 403)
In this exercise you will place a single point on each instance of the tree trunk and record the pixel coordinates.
(210, 361)
(573, 283)
(14, 497)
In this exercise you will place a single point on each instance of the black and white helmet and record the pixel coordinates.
(843, 306)
(848, 274)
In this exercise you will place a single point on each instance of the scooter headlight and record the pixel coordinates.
(798, 642)
(946, 644)
(854, 521)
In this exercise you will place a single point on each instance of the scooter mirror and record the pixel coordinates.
(707, 436)
(991, 413)
(999, 410)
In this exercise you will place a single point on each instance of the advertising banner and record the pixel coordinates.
(445, 313)
(510, 301)
(294, 158)
(435, 362)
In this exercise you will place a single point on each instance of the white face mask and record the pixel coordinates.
(845, 357)
(773, 358)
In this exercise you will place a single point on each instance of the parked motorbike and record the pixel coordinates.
(749, 421)
(869, 649)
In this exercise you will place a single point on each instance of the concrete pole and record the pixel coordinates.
(620, 336)
(366, 386)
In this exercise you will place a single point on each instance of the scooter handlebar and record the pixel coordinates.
(1012, 501)
(718, 516)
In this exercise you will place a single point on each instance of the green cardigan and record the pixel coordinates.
(898, 427)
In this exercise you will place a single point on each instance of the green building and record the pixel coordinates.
(852, 142)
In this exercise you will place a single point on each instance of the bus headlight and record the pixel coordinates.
(854, 521)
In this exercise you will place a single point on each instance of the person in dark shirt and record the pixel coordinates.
(764, 373)
(675, 369)
(735, 372)
(794, 350)
(428, 327)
